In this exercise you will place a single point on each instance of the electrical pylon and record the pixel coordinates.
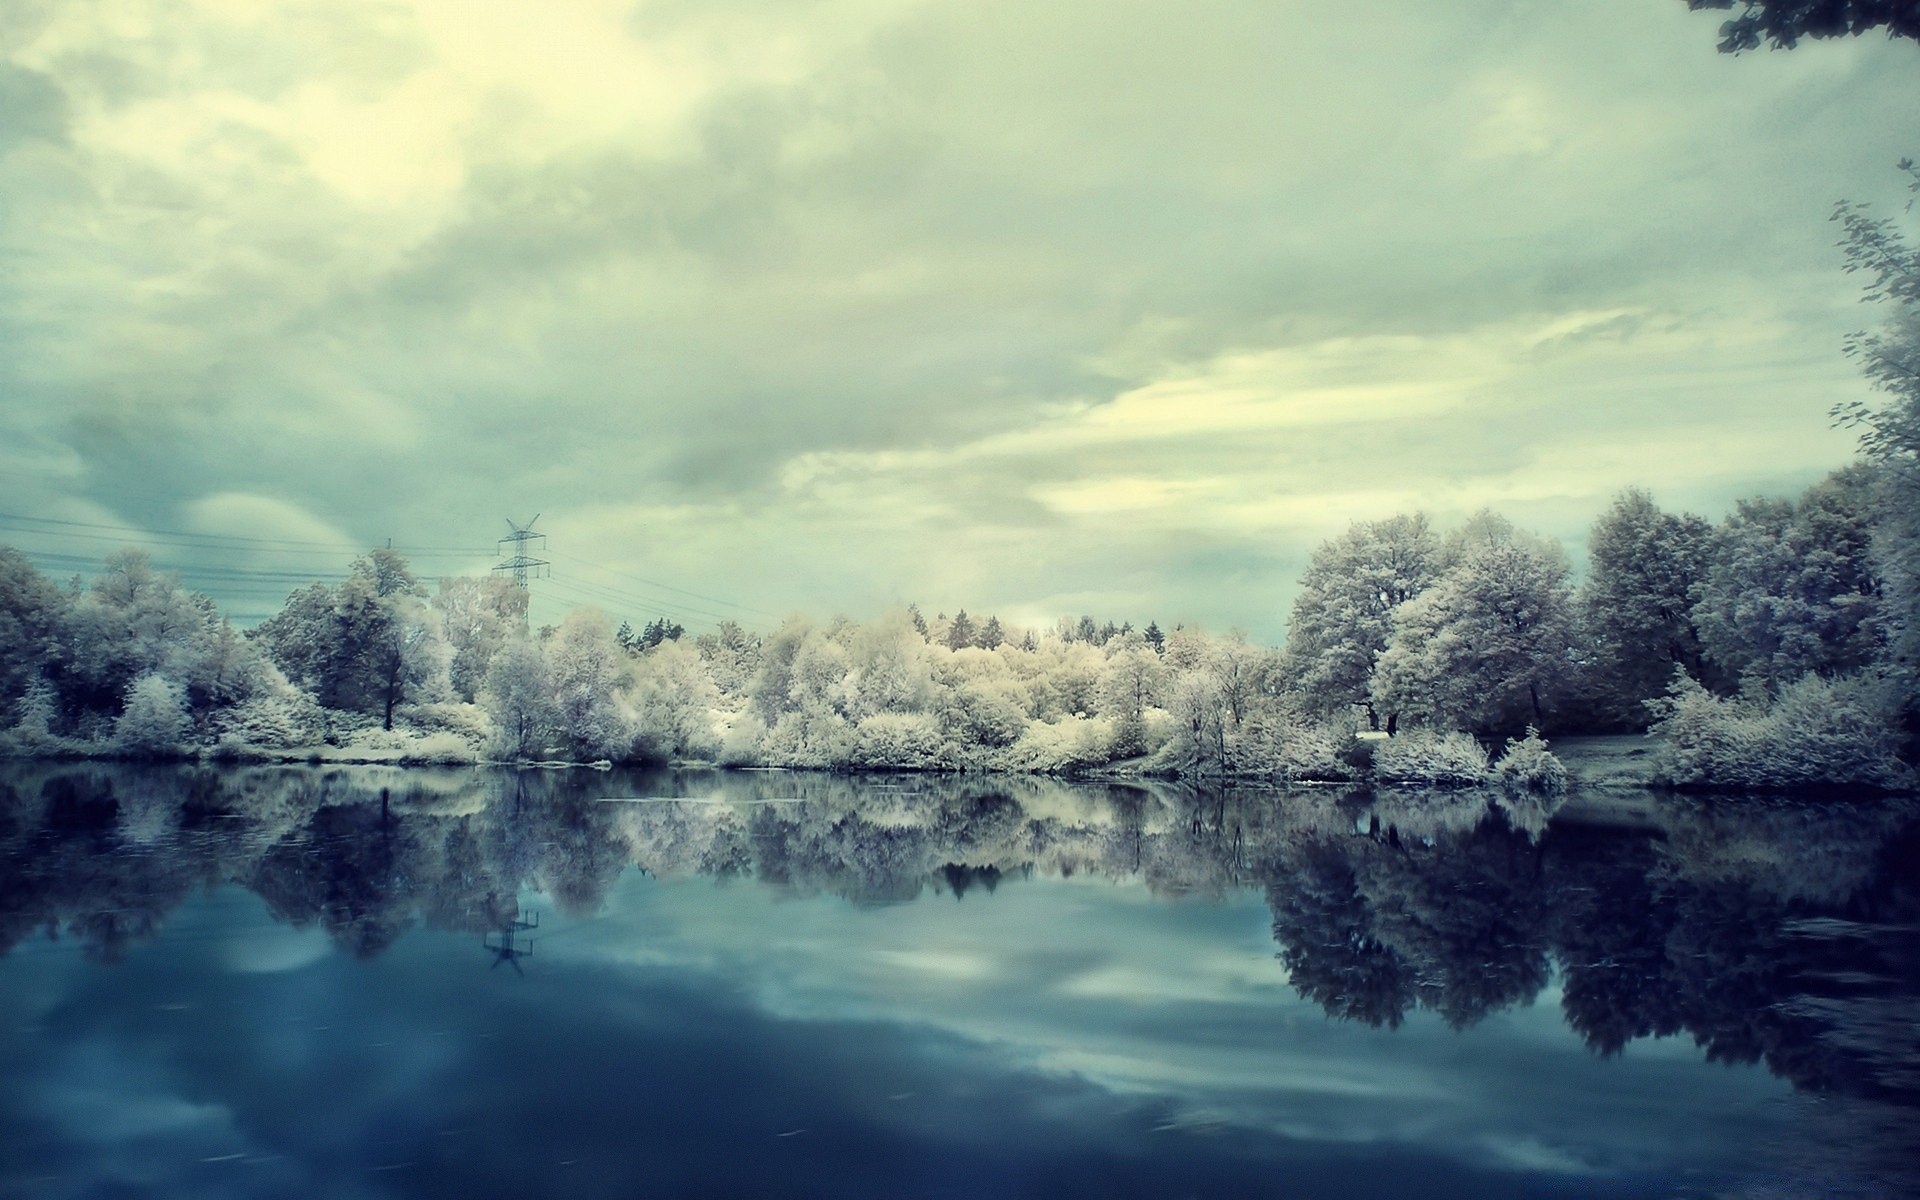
(518, 561)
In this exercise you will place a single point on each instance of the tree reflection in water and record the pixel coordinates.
(1768, 931)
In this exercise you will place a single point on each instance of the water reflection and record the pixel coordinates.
(1767, 932)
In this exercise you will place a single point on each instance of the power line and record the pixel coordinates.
(183, 544)
(667, 587)
(221, 537)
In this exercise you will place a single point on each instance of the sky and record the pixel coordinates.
(1034, 308)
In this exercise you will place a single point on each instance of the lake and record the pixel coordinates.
(367, 982)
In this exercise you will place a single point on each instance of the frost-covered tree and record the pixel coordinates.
(1344, 614)
(1890, 432)
(1488, 647)
(1647, 570)
(369, 645)
(518, 697)
(771, 692)
(131, 621)
(888, 669)
(732, 656)
(1129, 686)
(674, 700)
(477, 616)
(154, 722)
(32, 611)
(1792, 589)
(587, 670)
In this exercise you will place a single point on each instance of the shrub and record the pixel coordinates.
(1817, 732)
(1528, 766)
(154, 723)
(743, 744)
(468, 721)
(1435, 759)
(437, 749)
(1060, 747)
(1289, 746)
(272, 721)
(899, 741)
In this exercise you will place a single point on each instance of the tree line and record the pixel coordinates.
(1780, 647)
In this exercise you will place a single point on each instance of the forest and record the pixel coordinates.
(1778, 648)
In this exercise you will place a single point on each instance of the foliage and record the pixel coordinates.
(518, 697)
(477, 616)
(1890, 433)
(1817, 731)
(368, 645)
(1647, 569)
(1435, 759)
(1488, 647)
(1526, 765)
(1792, 588)
(154, 722)
(1782, 23)
(1343, 617)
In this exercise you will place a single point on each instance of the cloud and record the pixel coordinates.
(1030, 304)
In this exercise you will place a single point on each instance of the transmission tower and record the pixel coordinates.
(517, 560)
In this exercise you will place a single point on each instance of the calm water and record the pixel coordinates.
(296, 982)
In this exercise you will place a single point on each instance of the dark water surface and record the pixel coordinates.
(306, 982)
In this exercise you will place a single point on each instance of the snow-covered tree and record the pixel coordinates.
(587, 671)
(1344, 614)
(518, 697)
(32, 611)
(155, 721)
(1647, 571)
(1488, 647)
(477, 616)
(1793, 589)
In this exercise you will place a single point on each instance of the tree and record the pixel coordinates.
(1783, 23)
(888, 669)
(518, 696)
(368, 645)
(1636, 606)
(961, 635)
(1792, 589)
(1344, 614)
(31, 613)
(1155, 638)
(1488, 647)
(991, 635)
(587, 669)
(1890, 433)
(154, 721)
(731, 654)
(477, 616)
(131, 621)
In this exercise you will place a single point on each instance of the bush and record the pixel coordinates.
(154, 724)
(437, 749)
(816, 739)
(1434, 759)
(1817, 732)
(468, 721)
(1289, 746)
(1059, 747)
(743, 744)
(272, 721)
(899, 741)
(1528, 766)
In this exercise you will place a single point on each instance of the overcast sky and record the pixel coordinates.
(1039, 307)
